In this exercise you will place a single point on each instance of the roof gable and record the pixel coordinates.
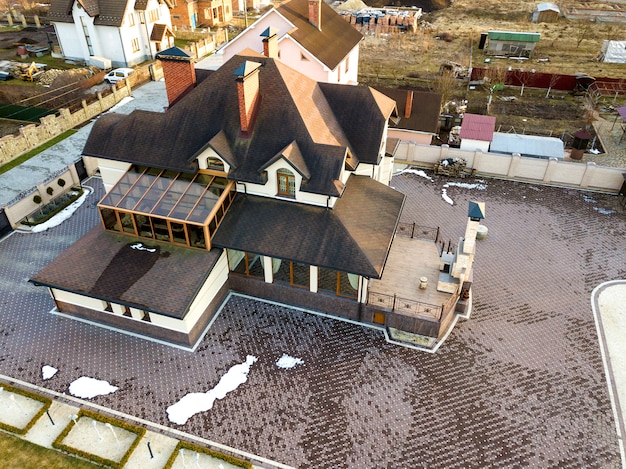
(297, 119)
(104, 12)
(332, 42)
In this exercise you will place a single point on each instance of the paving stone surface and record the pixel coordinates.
(521, 383)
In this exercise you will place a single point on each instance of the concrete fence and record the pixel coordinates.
(587, 176)
(33, 135)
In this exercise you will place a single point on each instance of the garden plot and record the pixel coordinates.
(100, 439)
(17, 410)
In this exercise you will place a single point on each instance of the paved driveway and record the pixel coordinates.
(519, 384)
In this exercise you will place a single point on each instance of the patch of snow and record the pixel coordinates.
(534, 188)
(287, 361)
(444, 196)
(594, 151)
(63, 215)
(196, 402)
(125, 100)
(465, 185)
(48, 371)
(603, 211)
(587, 198)
(87, 388)
(142, 247)
(417, 172)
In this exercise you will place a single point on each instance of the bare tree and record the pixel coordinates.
(445, 84)
(525, 78)
(496, 76)
(583, 30)
(554, 79)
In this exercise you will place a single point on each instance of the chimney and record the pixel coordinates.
(315, 13)
(179, 73)
(408, 106)
(247, 92)
(270, 42)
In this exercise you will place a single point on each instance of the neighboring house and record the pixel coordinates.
(418, 115)
(309, 36)
(527, 145)
(477, 132)
(258, 180)
(613, 52)
(201, 14)
(512, 44)
(111, 33)
(546, 13)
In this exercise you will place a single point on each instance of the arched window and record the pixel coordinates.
(286, 183)
(214, 163)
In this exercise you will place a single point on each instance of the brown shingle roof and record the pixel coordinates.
(330, 44)
(425, 109)
(353, 237)
(104, 266)
(324, 120)
(105, 12)
(159, 31)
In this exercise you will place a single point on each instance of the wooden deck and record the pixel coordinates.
(410, 259)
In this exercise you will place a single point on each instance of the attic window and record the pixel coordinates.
(215, 164)
(286, 183)
(303, 57)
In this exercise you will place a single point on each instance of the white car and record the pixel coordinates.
(118, 74)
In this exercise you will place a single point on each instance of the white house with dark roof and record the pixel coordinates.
(111, 33)
(256, 180)
(307, 35)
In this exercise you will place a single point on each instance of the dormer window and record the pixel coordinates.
(215, 164)
(286, 183)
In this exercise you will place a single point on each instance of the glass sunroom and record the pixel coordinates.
(169, 206)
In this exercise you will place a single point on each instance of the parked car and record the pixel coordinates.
(118, 74)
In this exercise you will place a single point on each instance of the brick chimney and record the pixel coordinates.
(179, 73)
(270, 42)
(408, 106)
(315, 13)
(247, 92)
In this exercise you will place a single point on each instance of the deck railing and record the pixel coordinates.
(428, 233)
(404, 305)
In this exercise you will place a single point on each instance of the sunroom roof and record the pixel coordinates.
(167, 194)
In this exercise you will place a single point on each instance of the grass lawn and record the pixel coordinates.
(26, 455)
(26, 156)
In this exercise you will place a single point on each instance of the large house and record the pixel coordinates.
(307, 35)
(258, 180)
(112, 33)
(199, 13)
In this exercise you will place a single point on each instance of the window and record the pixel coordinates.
(131, 19)
(127, 312)
(153, 15)
(207, 13)
(286, 183)
(108, 307)
(347, 63)
(135, 44)
(338, 283)
(146, 317)
(215, 164)
(246, 263)
(303, 57)
(293, 273)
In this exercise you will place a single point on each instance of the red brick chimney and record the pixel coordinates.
(408, 106)
(247, 93)
(179, 73)
(270, 42)
(315, 13)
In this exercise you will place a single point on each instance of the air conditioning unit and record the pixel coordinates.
(100, 62)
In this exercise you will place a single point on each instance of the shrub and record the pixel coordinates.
(201, 449)
(37, 199)
(50, 190)
(61, 182)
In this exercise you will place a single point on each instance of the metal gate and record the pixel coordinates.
(5, 226)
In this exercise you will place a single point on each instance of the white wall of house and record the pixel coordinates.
(251, 37)
(216, 280)
(112, 42)
(111, 171)
(300, 59)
